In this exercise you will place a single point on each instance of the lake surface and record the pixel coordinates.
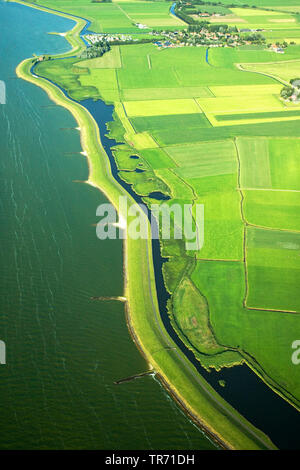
(64, 351)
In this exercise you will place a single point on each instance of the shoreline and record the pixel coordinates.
(112, 190)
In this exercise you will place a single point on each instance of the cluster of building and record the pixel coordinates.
(295, 97)
(277, 49)
(201, 38)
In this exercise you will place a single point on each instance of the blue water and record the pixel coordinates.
(206, 56)
(172, 9)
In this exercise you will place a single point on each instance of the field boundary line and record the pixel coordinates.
(220, 259)
(245, 223)
(262, 309)
(198, 105)
(278, 79)
(124, 12)
(172, 170)
(186, 144)
(170, 156)
(279, 389)
(117, 80)
(272, 228)
(177, 77)
(214, 96)
(121, 59)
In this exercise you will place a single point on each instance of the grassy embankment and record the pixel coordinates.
(199, 399)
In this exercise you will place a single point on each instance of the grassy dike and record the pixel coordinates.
(177, 374)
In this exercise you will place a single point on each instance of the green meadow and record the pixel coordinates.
(273, 272)
(241, 328)
(217, 133)
(275, 209)
(268, 4)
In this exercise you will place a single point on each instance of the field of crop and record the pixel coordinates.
(251, 91)
(271, 115)
(205, 158)
(133, 94)
(183, 122)
(213, 169)
(255, 171)
(273, 270)
(274, 163)
(241, 328)
(211, 9)
(263, 3)
(223, 226)
(161, 107)
(234, 104)
(248, 18)
(208, 132)
(278, 209)
(155, 15)
(283, 35)
(284, 70)
(229, 57)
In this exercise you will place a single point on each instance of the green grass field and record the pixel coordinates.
(264, 3)
(273, 270)
(275, 209)
(161, 107)
(241, 328)
(205, 158)
(284, 70)
(274, 163)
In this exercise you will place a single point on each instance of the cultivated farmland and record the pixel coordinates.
(208, 126)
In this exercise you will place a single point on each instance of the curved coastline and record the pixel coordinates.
(93, 149)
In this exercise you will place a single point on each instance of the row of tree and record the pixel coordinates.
(293, 90)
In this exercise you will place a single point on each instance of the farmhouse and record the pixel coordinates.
(277, 49)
